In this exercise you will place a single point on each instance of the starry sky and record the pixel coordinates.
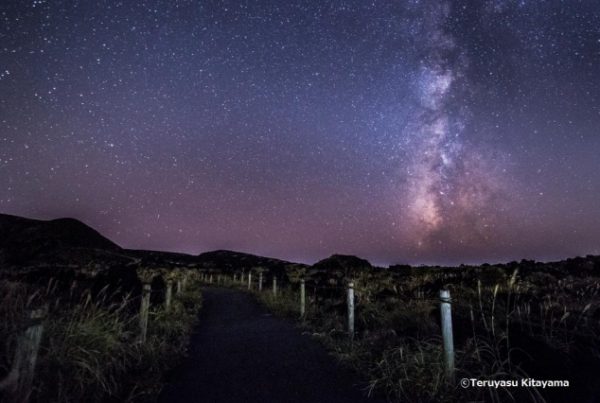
(402, 131)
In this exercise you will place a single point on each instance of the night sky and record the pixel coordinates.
(400, 131)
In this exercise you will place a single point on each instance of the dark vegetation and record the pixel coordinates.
(91, 290)
(90, 349)
(521, 319)
(518, 320)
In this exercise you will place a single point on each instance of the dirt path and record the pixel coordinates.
(241, 353)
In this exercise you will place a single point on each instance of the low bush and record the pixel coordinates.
(90, 350)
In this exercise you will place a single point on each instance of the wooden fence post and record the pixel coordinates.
(19, 382)
(169, 294)
(144, 308)
(274, 286)
(351, 310)
(210, 279)
(446, 313)
(178, 286)
(302, 298)
(249, 280)
(260, 281)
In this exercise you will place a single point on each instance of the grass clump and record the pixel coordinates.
(286, 303)
(508, 325)
(90, 350)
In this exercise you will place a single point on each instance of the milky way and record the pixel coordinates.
(450, 184)
(403, 132)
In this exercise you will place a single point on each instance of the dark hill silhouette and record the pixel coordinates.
(342, 263)
(26, 241)
(19, 232)
(230, 261)
(67, 242)
(340, 266)
(64, 250)
(151, 258)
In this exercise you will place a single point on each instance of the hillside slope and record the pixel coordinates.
(26, 241)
